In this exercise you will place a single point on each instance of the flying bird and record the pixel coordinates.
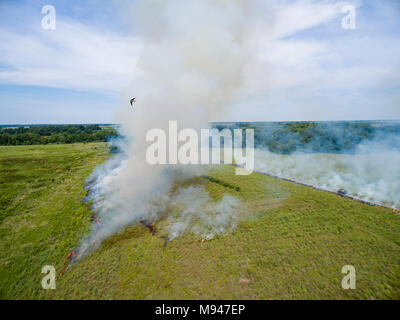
(132, 101)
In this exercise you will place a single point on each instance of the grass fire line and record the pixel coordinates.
(74, 254)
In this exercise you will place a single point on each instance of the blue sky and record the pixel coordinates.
(306, 66)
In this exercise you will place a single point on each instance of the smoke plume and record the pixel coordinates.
(191, 66)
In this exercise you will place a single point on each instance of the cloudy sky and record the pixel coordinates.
(304, 65)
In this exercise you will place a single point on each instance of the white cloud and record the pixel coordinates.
(73, 56)
(308, 68)
(302, 15)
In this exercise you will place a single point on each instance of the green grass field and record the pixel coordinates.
(291, 242)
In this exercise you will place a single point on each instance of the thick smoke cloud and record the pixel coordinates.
(191, 67)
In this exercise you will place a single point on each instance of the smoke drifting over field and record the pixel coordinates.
(202, 216)
(371, 172)
(191, 65)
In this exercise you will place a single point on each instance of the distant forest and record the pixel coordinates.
(329, 136)
(278, 137)
(47, 134)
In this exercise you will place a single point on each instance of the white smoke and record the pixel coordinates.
(191, 67)
(371, 173)
(197, 213)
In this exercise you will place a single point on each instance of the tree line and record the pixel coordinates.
(55, 134)
(329, 137)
